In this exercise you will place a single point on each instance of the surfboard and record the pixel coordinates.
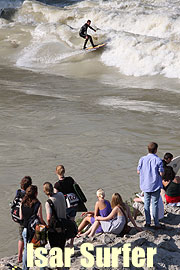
(79, 193)
(175, 164)
(96, 47)
(82, 198)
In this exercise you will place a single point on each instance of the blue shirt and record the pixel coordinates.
(150, 167)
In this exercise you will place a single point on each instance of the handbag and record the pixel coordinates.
(62, 225)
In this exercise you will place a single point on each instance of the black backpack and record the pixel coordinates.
(62, 225)
(15, 207)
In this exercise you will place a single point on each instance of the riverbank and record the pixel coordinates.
(167, 242)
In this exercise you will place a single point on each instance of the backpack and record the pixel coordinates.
(40, 236)
(62, 225)
(15, 207)
(36, 232)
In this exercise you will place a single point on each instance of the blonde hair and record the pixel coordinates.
(48, 188)
(117, 201)
(60, 170)
(100, 193)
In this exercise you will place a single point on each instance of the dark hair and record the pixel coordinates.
(168, 155)
(152, 147)
(48, 188)
(30, 197)
(88, 21)
(26, 182)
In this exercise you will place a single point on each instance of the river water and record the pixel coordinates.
(93, 112)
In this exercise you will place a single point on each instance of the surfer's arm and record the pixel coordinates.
(92, 28)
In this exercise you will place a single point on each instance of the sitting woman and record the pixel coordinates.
(102, 208)
(172, 190)
(116, 220)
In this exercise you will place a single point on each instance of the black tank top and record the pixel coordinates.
(27, 212)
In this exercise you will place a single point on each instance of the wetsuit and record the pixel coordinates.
(83, 34)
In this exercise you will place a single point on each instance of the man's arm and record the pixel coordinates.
(48, 212)
(92, 28)
(139, 166)
(161, 168)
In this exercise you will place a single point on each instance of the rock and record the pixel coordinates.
(167, 242)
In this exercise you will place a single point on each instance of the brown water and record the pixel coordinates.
(93, 112)
(97, 131)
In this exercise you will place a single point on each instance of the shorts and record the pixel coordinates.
(71, 212)
(170, 199)
(21, 228)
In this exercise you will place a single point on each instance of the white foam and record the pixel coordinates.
(144, 36)
(136, 105)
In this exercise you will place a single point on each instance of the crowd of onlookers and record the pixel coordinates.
(158, 184)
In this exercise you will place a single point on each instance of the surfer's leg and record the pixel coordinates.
(86, 40)
(91, 40)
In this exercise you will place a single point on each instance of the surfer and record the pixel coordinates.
(83, 33)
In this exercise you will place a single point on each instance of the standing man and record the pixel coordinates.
(83, 33)
(56, 239)
(151, 170)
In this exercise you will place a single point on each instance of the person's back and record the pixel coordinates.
(56, 239)
(104, 208)
(20, 193)
(150, 168)
(173, 191)
(169, 174)
(83, 29)
(59, 204)
(30, 206)
(65, 185)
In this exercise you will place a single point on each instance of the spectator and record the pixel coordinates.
(25, 183)
(28, 207)
(102, 208)
(116, 220)
(151, 170)
(65, 185)
(56, 239)
(173, 191)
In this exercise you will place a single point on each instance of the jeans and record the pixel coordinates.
(154, 196)
(24, 235)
